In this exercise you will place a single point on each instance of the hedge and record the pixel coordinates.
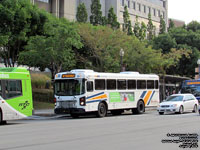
(43, 95)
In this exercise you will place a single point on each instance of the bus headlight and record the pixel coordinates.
(82, 101)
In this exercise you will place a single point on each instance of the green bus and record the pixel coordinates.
(15, 94)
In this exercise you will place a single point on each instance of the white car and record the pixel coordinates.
(178, 103)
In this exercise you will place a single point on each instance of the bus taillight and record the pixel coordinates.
(82, 101)
(54, 100)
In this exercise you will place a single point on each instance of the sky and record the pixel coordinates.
(185, 10)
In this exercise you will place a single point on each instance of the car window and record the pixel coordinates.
(175, 98)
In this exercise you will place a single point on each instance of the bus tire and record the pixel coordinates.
(102, 110)
(140, 108)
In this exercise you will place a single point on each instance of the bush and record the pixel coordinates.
(40, 81)
(43, 95)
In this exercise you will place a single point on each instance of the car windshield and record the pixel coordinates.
(175, 98)
(70, 87)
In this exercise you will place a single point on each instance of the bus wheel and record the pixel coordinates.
(74, 115)
(116, 112)
(102, 110)
(140, 108)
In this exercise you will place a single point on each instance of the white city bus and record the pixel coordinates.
(80, 91)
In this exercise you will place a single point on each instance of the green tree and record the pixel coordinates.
(150, 28)
(81, 14)
(162, 25)
(142, 32)
(19, 20)
(194, 26)
(171, 24)
(112, 19)
(127, 27)
(137, 28)
(55, 50)
(164, 42)
(96, 13)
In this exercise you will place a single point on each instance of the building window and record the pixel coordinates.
(149, 8)
(163, 15)
(144, 8)
(133, 5)
(128, 3)
(154, 12)
(139, 7)
(122, 2)
(158, 13)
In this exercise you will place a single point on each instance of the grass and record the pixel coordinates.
(42, 105)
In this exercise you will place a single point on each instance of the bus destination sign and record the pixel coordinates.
(68, 75)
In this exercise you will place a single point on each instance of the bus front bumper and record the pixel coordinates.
(69, 110)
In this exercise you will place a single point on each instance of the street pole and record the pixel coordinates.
(121, 59)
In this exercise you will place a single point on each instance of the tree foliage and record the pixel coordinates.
(55, 50)
(96, 13)
(150, 28)
(127, 27)
(162, 25)
(19, 20)
(112, 19)
(81, 14)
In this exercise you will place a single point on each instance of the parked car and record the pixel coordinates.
(178, 103)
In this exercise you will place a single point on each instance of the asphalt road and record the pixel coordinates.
(125, 132)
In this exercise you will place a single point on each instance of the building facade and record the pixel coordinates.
(140, 8)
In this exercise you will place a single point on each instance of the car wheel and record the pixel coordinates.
(102, 110)
(161, 113)
(181, 110)
(195, 109)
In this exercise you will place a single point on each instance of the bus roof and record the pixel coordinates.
(84, 73)
(14, 73)
(13, 69)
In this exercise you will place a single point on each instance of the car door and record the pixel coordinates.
(186, 103)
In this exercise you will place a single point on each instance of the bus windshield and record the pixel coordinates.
(69, 87)
(193, 89)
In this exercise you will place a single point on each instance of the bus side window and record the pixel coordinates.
(131, 84)
(13, 88)
(121, 84)
(90, 86)
(150, 84)
(111, 84)
(100, 84)
(141, 84)
(156, 84)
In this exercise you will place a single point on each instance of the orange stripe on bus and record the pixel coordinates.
(147, 97)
